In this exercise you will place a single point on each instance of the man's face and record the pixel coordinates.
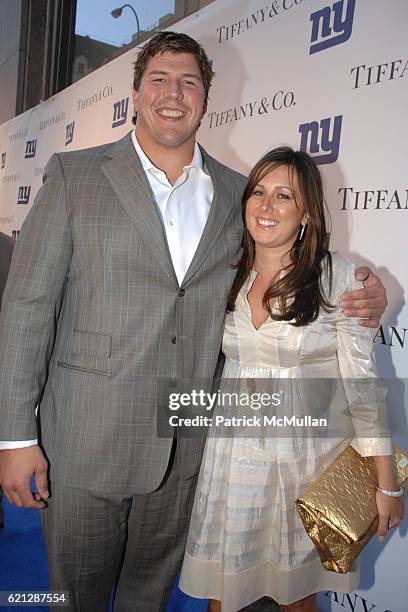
(170, 101)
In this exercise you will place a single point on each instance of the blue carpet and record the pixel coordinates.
(23, 565)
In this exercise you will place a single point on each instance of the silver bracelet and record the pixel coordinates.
(398, 493)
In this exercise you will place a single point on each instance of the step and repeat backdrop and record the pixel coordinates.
(330, 78)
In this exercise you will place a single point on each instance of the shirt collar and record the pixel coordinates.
(196, 162)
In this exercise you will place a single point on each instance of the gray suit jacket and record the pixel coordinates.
(93, 318)
(6, 251)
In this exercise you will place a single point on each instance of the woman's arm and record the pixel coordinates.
(366, 396)
(390, 509)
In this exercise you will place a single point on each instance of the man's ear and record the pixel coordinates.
(135, 96)
(205, 107)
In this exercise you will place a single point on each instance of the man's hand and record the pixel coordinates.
(17, 466)
(369, 302)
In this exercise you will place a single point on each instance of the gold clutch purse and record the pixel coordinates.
(339, 511)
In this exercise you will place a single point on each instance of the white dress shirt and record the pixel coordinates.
(184, 208)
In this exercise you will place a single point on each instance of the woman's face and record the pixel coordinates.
(275, 210)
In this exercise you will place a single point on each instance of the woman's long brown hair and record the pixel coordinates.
(299, 292)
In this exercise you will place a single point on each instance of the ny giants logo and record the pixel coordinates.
(31, 149)
(120, 111)
(316, 137)
(329, 27)
(3, 160)
(24, 194)
(69, 133)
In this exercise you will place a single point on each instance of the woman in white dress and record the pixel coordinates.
(246, 540)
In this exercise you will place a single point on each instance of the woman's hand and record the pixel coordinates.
(390, 513)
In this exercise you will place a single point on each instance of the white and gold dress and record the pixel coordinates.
(246, 539)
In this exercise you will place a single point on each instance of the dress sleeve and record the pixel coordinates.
(365, 393)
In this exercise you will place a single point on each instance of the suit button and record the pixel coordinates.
(182, 292)
(174, 339)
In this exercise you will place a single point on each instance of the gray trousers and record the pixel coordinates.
(96, 540)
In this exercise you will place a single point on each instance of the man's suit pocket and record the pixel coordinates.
(88, 352)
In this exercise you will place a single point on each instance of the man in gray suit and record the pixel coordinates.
(117, 291)
(6, 251)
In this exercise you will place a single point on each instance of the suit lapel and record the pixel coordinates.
(127, 178)
(221, 207)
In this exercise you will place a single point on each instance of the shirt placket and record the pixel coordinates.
(174, 222)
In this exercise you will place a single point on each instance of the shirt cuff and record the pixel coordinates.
(17, 444)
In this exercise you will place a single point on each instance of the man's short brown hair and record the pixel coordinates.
(173, 42)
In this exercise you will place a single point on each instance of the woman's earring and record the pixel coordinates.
(302, 232)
